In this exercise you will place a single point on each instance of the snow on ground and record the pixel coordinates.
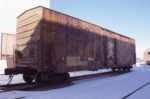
(3, 65)
(114, 87)
(80, 73)
(144, 93)
(16, 79)
(4, 79)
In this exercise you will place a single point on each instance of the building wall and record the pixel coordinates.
(11, 9)
(140, 54)
(8, 42)
(147, 55)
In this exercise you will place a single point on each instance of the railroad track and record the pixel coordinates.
(136, 90)
(7, 88)
(34, 86)
(101, 75)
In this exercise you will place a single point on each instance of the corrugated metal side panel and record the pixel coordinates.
(62, 41)
(28, 35)
(86, 46)
(125, 51)
(83, 44)
(85, 49)
(55, 42)
(50, 30)
(73, 33)
(110, 48)
(133, 51)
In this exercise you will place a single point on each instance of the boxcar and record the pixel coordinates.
(51, 44)
(147, 57)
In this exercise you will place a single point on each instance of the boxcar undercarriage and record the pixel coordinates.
(30, 75)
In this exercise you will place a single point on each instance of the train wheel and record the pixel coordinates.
(38, 78)
(120, 69)
(128, 69)
(114, 69)
(66, 76)
(55, 78)
(28, 78)
(58, 78)
(125, 69)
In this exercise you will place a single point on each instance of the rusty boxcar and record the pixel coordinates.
(147, 56)
(51, 44)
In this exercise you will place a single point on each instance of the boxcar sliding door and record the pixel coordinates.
(111, 43)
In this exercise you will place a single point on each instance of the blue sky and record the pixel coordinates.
(127, 17)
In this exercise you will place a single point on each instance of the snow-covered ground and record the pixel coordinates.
(16, 79)
(113, 87)
(3, 65)
(80, 73)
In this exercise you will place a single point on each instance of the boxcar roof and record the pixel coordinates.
(8, 33)
(78, 19)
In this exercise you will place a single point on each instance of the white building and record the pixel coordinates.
(10, 10)
(140, 54)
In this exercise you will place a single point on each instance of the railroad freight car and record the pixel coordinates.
(51, 44)
(147, 57)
